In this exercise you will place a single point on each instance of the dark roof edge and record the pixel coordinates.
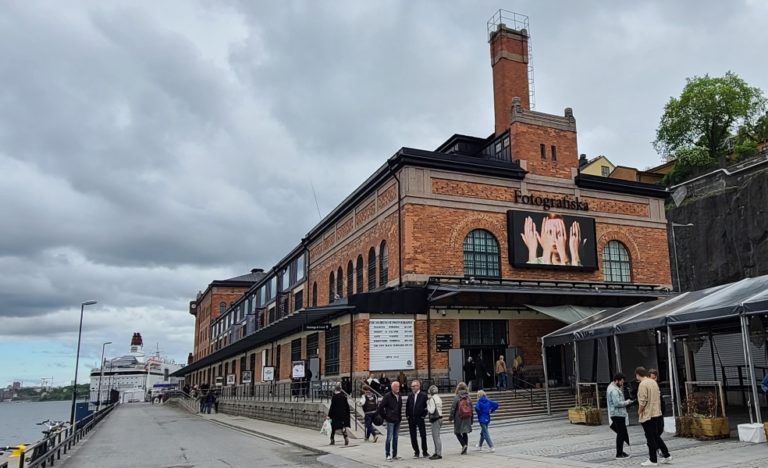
(621, 186)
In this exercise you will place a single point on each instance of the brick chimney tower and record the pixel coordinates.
(543, 144)
(509, 59)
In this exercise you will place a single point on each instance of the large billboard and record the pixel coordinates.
(551, 240)
(391, 344)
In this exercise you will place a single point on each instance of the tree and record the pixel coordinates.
(706, 117)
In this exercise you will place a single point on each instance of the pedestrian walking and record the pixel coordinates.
(469, 371)
(617, 413)
(435, 413)
(210, 400)
(484, 407)
(390, 410)
(338, 413)
(416, 411)
(649, 412)
(501, 373)
(480, 373)
(654, 374)
(462, 416)
(370, 404)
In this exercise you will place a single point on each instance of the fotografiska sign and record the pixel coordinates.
(564, 202)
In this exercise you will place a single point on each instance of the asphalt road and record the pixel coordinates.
(146, 436)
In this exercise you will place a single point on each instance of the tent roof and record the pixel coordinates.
(749, 296)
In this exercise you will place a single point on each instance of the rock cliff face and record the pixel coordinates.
(729, 237)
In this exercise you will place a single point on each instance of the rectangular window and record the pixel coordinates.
(605, 171)
(271, 315)
(298, 300)
(285, 279)
(300, 268)
(272, 287)
(313, 345)
(483, 332)
(260, 293)
(296, 350)
(284, 306)
(543, 149)
(554, 152)
(332, 337)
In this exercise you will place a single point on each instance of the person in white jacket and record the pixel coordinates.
(435, 415)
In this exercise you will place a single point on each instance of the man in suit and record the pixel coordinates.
(416, 411)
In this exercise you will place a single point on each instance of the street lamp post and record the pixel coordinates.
(674, 249)
(77, 362)
(101, 374)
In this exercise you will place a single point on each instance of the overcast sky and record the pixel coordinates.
(147, 148)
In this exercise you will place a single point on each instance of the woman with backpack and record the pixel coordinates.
(484, 408)
(370, 405)
(435, 414)
(462, 416)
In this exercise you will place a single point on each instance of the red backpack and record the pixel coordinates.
(465, 408)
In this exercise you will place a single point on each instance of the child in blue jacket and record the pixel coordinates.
(484, 407)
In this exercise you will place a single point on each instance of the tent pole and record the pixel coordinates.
(576, 372)
(750, 364)
(671, 364)
(618, 353)
(546, 377)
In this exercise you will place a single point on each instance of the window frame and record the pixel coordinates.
(488, 256)
(615, 266)
(372, 269)
(383, 264)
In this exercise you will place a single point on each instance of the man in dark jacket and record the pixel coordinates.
(390, 409)
(469, 372)
(416, 411)
(338, 413)
(479, 373)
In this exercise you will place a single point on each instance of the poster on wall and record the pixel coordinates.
(230, 379)
(267, 374)
(391, 344)
(247, 377)
(551, 240)
(297, 371)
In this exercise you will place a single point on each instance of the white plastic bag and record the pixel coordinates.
(326, 429)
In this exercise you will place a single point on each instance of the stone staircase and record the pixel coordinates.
(512, 405)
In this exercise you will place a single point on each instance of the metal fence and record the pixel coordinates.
(47, 451)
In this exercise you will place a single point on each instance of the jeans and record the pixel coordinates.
(485, 436)
(463, 439)
(619, 426)
(393, 432)
(413, 425)
(651, 429)
(501, 380)
(370, 429)
(436, 425)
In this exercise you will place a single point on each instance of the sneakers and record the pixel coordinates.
(648, 463)
(622, 456)
(435, 457)
(464, 449)
(478, 448)
(416, 456)
(493, 449)
(396, 458)
(375, 438)
(389, 458)
(333, 442)
(425, 454)
(665, 460)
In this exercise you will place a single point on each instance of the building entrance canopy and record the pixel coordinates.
(748, 296)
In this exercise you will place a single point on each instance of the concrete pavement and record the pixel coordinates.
(161, 436)
(533, 443)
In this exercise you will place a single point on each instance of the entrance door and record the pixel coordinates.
(488, 357)
(456, 365)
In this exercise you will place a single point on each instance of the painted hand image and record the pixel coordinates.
(561, 242)
(531, 239)
(575, 243)
(547, 240)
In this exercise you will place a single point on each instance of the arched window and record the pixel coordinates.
(481, 254)
(350, 278)
(383, 264)
(617, 267)
(340, 282)
(222, 308)
(314, 294)
(331, 288)
(359, 271)
(371, 269)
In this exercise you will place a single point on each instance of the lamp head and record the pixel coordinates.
(89, 303)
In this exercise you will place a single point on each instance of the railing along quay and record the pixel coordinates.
(48, 450)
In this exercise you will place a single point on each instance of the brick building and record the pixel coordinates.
(477, 248)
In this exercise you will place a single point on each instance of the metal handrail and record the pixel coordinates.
(61, 442)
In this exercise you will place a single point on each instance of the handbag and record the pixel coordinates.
(378, 420)
(326, 429)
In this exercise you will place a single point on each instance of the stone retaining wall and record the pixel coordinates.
(309, 415)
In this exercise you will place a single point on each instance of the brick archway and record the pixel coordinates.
(629, 243)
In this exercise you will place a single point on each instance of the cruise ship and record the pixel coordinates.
(133, 376)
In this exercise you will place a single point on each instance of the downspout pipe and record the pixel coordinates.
(390, 165)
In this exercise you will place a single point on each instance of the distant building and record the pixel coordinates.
(601, 166)
(16, 386)
(213, 302)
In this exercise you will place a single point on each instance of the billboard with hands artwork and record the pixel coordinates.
(551, 240)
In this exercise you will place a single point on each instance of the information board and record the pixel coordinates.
(247, 376)
(391, 344)
(230, 379)
(267, 374)
(297, 371)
